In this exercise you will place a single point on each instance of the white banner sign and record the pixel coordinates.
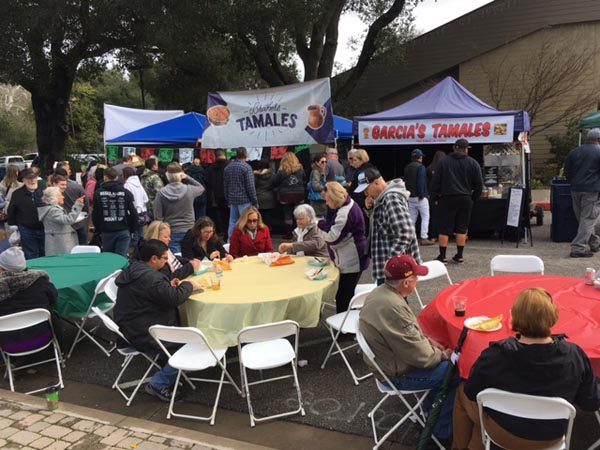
(489, 129)
(287, 115)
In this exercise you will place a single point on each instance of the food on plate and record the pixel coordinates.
(218, 115)
(489, 324)
(222, 264)
(283, 260)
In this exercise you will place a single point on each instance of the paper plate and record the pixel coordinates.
(310, 274)
(473, 321)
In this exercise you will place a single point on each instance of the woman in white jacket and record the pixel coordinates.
(140, 200)
(60, 235)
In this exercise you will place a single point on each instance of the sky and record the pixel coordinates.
(429, 14)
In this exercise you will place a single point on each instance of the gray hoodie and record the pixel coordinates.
(174, 204)
(60, 235)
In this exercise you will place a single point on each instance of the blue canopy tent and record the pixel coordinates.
(182, 130)
(342, 128)
(448, 98)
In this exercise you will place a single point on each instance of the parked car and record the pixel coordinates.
(29, 158)
(16, 160)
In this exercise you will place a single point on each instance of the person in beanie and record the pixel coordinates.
(114, 214)
(411, 360)
(174, 204)
(21, 290)
(415, 177)
(391, 230)
(22, 212)
(456, 185)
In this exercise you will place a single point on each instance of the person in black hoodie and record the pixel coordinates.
(147, 297)
(534, 363)
(455, 186)
(22, 290)
(114, 214)
(215, 186)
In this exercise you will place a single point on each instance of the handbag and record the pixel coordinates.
(143, 218)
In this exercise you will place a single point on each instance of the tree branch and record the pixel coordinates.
(368, 48)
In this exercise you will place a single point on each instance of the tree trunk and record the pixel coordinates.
(51, 126)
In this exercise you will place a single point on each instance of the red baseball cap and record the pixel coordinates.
(403, 266)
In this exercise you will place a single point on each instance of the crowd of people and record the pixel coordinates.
(167, 218)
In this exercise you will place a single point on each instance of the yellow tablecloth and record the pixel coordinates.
(253, 293)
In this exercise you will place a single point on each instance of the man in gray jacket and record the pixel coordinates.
(582, 169)
(174, 204)
(411, 360)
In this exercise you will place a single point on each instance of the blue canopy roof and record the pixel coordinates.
(448, 98)
(185, 130)
(342, 127)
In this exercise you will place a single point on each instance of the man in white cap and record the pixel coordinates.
(582, 169)
(22, 290)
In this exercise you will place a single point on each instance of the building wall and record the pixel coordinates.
(513, 66)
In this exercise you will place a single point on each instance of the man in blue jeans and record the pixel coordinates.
(411, 360)
(240, 191)
(22, 211)
(146, 297)
(114, 214)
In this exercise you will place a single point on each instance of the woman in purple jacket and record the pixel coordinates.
(344, 233)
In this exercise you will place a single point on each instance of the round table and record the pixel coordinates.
(253, 293)
(578, 304)
(76, 276)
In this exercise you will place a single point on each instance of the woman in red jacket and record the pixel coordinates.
(250, 235)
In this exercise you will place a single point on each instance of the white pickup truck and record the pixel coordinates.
(16, 160)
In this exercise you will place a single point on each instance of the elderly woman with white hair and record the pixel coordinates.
(60, 235)
(308, 238)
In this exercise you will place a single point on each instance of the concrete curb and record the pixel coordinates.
(132, 423)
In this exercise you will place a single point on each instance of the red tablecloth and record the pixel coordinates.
(578, 304)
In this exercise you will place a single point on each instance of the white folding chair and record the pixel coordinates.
(345, 323)
(107, 286)
(23, 320)
(85, 249)
(527, 407)
(264, 347)
(367, 287)
(516, 264)
(437, 269)
(128, 353)
(226, 247)
(195, 355)
(414, 413)
(596, 444)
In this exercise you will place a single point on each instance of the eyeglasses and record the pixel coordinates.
(323, 162)
(252, 220)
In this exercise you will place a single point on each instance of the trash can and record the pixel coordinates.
(564, 224)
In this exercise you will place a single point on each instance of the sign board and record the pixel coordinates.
(515, 208)
(489, 129)
(282, 116)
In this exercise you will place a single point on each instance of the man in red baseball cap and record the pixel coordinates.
(411, 360)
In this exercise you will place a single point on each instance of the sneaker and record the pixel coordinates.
(458, 259)
(581, 255)
(426, 242)
(164, 394)
(443, 260)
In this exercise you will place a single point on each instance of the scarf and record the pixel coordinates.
(11, 283)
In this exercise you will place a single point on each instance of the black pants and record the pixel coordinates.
(348, 282)
(220, 216)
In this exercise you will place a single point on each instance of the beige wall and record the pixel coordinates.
(516, 63)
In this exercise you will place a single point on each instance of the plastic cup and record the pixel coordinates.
(52, 398)
(216, 284)
(460, 305)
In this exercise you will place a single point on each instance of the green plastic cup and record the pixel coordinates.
(52, 398)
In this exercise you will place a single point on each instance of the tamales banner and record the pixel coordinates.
(288, 115)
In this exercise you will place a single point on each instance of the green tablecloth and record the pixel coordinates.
(76, 276)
